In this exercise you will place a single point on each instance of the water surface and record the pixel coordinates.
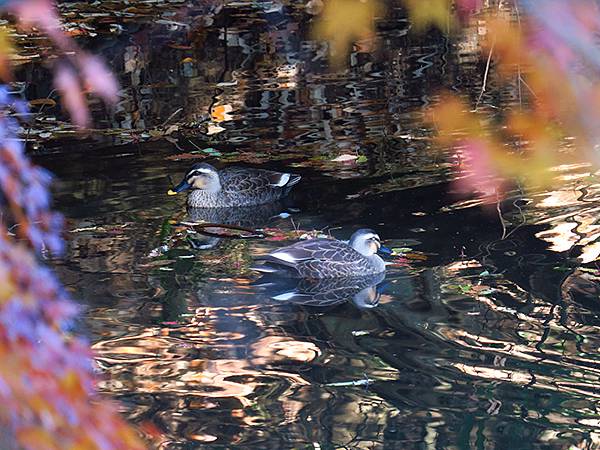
(484, 333)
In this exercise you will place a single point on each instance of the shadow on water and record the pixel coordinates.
(484, 333)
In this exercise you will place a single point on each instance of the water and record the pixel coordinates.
(483, 335)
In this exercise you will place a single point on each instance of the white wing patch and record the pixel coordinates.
(283, 180)
(285, 296)
(284, 256)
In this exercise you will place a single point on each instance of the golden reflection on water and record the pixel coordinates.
(184, 361)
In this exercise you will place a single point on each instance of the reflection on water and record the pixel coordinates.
(483, 335)
(363, 291)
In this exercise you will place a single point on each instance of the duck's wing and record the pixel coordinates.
(315, 258)
(244, 180)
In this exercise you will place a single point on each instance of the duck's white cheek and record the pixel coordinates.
(198, 183)
(374, 247)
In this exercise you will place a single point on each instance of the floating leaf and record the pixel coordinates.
(345, 158)
(211, 151)
(42, 102)
(220, 113)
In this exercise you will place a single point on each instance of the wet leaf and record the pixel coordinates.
(43, 102)
(345, 158)
(211, 151)
(6, 51)
(220, 113)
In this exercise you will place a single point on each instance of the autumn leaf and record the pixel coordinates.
(67, 83)
(6, 51)
(429, 12)
(344, 22)
(221, 113)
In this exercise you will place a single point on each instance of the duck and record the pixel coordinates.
(233, 186)
(327, 258)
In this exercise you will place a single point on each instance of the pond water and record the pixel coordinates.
(485, 332)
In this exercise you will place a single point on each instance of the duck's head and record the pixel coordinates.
(366, 242)
(201, 176)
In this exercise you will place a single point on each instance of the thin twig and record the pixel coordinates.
(485, 75)
(171, 116)
(500, 216)
(296, 229)
(527, 86)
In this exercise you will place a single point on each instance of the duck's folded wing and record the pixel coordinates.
(250, 180)
(316, 258)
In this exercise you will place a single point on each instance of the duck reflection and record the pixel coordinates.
(256, 216)
(364, 292)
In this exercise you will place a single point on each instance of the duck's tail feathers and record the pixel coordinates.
(294, 179)
(269, 264)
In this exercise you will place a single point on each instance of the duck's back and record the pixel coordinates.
(323, 258)
(245, 187)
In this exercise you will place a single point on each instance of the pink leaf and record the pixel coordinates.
(73, 99)
(478, 173)
(466, 7)
(99, 78)
(41, 14)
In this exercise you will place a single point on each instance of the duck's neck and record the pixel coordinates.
(213, 187)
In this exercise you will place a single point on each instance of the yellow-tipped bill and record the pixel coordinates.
(171, 192)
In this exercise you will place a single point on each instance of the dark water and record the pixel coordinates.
(485, 334)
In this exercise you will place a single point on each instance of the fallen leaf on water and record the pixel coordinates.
(42, 102)
(211, 151)
(345, 158)
(220, 113)
(190, 155)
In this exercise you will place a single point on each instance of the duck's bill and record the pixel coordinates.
(184, 185)
(385, 250)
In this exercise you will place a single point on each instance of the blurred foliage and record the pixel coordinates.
(545, 52)
(47, 381)
(347, 22)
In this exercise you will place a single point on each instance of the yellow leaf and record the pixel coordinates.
(220, 113)
(36, 438)
(429, 12)
(6, 51)
(344, 22)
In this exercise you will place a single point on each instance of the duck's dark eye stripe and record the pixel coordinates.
(196, 173)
